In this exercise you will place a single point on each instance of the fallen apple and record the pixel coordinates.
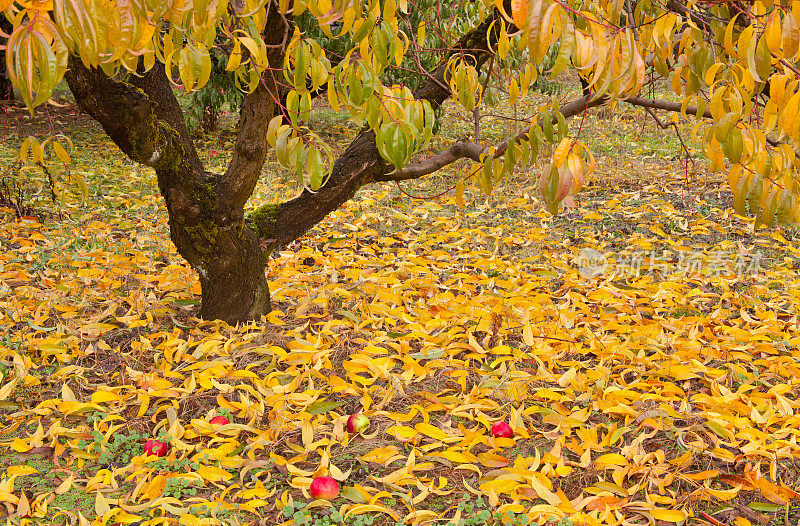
(155, 447)
(357, 423)
(324, 488)
(218, 420)
(502, 430)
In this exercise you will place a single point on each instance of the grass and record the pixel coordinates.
(45, 477)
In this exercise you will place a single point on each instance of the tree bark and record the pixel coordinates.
(206, 210)
(6, 90)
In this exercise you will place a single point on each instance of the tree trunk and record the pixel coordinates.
(6, 90)
(206, 210)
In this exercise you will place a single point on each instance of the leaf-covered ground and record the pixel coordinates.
(643, 345)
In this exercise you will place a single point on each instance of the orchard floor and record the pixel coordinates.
(643, 345)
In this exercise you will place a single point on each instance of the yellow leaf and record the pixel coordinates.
(155, 487)
(474, 343)
(97, 328)
(499, 486)
(61, 153)
(493, 460)
(561, 152)
(385, 455)
(455, 456)
(7, 389)
(544, 492)
(337, 473)
(23, 505)
(527, 334)
(611, 459)
(402, 433)
(65, 486)
(21, 471)
(703, 475)
(458, 196)
(722, 494)
(359, 509)
(123, 517)
(432, 431)
(519, 12)
(213, 473)
(252, 505)
(19, 445)
(605, 502)
(669, 515)
(602, 485)
(680, 372)
(101, 504)
(98, 397)
(772, 34)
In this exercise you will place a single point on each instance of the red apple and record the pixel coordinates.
(502, 430)
(357, 423)
(155, 447)
(324, 488)
(218, 420)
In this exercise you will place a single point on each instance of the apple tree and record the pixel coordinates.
(734, 66)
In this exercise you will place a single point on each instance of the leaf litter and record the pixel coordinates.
(655, 384)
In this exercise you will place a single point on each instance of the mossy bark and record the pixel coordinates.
(206, 210)
(206, 225)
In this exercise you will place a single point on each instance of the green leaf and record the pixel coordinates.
(316, 169)
(766, 507)
(301, 59)
(429, 355)
(396, 143)
(323, 407)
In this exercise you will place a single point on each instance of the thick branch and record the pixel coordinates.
(361, 163)
(664, 105)
(460, 150)
(466, 149)
(250, 150)
(158, 88)
(138, 124)
(6, 89)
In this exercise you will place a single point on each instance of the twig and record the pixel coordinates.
(664, 126)
(476, 111)
(790, 66)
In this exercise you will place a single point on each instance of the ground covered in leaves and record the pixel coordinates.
(643, 345)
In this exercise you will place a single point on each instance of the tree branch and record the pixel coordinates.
(650, 104)
(461, 149)
(664, 105)
(361, 163)
(664, 126)
(679, 7)
(158, 88)
(258, 107)
(144, 128)
(466, 149)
